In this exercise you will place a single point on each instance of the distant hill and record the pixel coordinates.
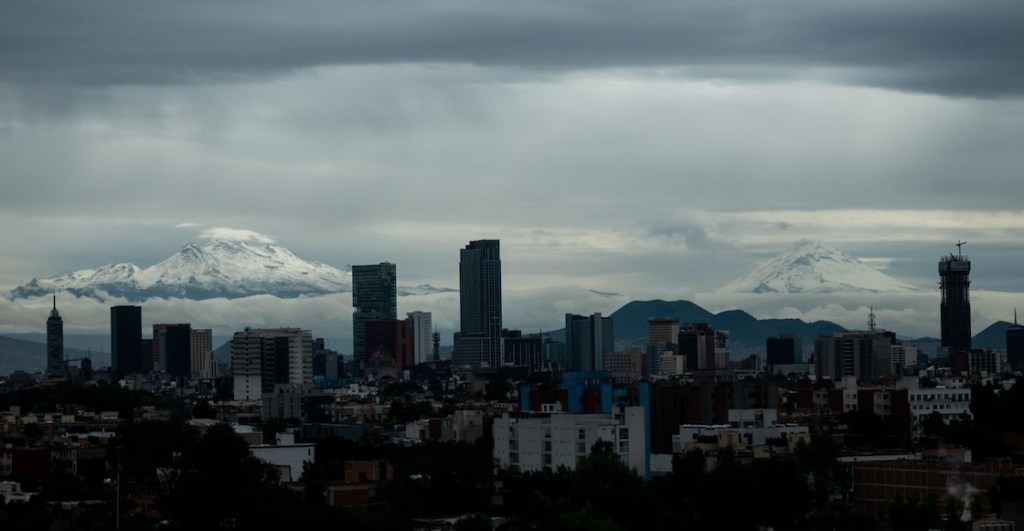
(993, 337)
(630, 321)
(21, 355)
(747, 334)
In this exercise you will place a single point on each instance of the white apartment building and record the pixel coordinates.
(951, 402)
(748, 429)
(532, 442)
(263, 358)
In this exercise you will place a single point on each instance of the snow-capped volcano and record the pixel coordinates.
(218, 268)
(814, 267)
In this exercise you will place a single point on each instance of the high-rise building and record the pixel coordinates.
(159, 359)
(263, 358)
(172, 349)
(54, 342)
(782, 350)
(587, 340)
(374, 296)
(523, 350)
(436, 339)
(126, 356)
(865, 355)
(387, 345)
(662, 337)
(1015, 345)
(422, 329)
(478, 341)
(204, 360)
(703, 347)
(955, 309)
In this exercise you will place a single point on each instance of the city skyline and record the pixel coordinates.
(651, 150)
(321, 313)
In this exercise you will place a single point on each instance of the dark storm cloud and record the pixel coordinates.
(941, 47)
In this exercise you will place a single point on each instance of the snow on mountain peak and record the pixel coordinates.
(815, 267)
(220, 267)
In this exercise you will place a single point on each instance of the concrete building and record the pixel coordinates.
(534, 442)
(902, 356)
(750, 432)
(587, 340)
(953, 403)
(671, 365)
(421, 330)
(478, 341)
(287, 456)
(374, 296)
(263, 358)
(865, 355)
(624, 366)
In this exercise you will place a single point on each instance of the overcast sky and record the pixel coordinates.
(646, 148)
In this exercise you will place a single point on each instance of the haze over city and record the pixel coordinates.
(648, 151)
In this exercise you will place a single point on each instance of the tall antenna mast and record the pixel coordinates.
(959, 250)
(871, 319)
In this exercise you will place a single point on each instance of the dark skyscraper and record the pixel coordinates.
(781, 350)
(374, 296)
(1015, 344)
(54, 342)
(587, 340)
(175, 344)
(955, 309)
(479, 338)
(126, 340)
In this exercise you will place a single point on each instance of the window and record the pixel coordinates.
(583, 434)
(623, 447)
(624, 433)
(547, 446)
(581, 447)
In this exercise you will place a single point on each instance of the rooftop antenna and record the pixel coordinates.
(871, 319)
(959, 250)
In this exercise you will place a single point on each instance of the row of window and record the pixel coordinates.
(956, 397)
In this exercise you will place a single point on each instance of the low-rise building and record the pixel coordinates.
(532, 442)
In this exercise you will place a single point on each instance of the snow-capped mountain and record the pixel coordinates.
(814, 267)
(217, 268)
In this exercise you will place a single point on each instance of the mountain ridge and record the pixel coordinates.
(228, 268)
